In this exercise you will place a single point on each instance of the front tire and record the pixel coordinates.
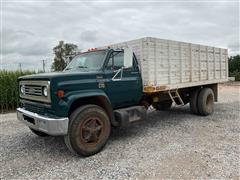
(89, 129)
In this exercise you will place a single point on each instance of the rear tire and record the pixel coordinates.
(206, 102)
(88, 132)
(39, 133)
(194, 101)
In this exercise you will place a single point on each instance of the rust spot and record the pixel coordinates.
(161, 88)
(152, 89)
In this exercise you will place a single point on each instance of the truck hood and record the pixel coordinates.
(57, 75)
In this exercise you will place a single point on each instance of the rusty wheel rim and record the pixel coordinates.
(91, 131)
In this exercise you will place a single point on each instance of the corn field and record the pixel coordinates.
(9, 89)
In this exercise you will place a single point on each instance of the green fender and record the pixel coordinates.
(73, 96)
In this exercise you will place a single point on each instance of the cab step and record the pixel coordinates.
(125, 116)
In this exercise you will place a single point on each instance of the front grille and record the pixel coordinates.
(33, 90)
(33, 108)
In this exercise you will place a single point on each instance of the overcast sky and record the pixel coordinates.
(31, 29)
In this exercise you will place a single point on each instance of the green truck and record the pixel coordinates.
(115, 85)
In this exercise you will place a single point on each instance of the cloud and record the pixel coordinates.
(90, 35)
(23, 42)
(31, 29)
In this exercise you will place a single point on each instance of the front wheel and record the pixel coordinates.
(89, 129)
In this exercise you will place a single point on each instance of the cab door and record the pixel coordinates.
(124, 86)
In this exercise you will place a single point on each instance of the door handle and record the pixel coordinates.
(134, 72)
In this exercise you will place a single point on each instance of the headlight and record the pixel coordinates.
(45, 91)
(22, 89)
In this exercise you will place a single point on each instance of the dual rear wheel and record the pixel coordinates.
(202, 101)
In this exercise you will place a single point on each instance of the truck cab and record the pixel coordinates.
(84, 101)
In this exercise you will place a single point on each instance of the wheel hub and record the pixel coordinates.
(91, 130)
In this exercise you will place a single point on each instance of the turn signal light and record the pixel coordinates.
(60, 93)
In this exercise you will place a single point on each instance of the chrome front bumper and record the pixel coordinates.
(44, 124)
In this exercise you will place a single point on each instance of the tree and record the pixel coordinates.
(234, 63)
(64, 52)
(234, 67)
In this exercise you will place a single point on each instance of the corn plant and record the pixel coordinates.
(9, 93)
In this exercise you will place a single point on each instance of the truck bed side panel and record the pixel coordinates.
(167, 64)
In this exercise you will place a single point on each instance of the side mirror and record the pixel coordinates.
(128, 58)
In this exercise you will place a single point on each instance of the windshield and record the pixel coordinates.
(87, 61)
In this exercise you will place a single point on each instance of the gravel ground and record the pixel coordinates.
(169, 144)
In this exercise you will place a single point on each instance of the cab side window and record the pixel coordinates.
(115, 61)
(118, 60)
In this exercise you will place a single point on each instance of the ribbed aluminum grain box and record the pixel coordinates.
(167, 64)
